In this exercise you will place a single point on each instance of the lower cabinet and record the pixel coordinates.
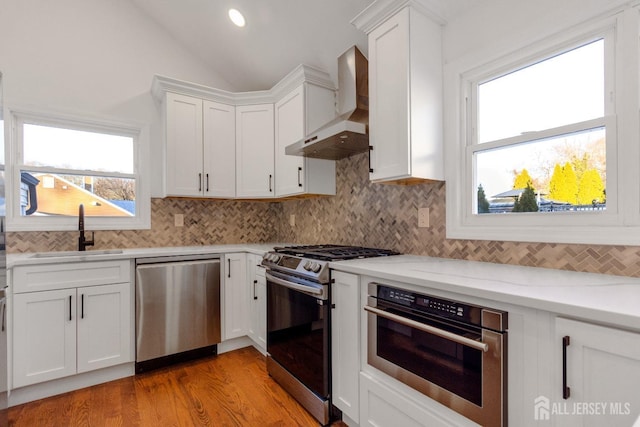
(63, 332)
(345, 343)
(382, 406)
(600, 367)
(257, 301)
(235, 307)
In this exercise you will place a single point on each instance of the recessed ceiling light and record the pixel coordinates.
(236, 17)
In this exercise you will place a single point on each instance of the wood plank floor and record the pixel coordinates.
(231, 389)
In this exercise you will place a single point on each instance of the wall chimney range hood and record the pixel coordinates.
(348, 133)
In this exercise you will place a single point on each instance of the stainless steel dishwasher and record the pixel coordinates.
(177, 309)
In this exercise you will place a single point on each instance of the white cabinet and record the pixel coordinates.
(61, 332)
(44, 336)
(602, 368)
(255, 175)
(385, 406)
(299, 113)
(257, 302)
(345, 343)
(103, 326)
(200, 147)
(235, 297)
(406, 100)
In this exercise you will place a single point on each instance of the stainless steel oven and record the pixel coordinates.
(298, 321)
(453, 352)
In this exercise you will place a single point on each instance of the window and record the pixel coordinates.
(541, 133)
(549, 140)
(63, 163)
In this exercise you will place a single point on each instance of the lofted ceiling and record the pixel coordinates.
(279, 35)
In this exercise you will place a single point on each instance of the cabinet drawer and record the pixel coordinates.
(31, 278)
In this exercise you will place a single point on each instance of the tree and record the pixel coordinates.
(526, 202)
(483, 203)
(563, 186)
(591, 188)
(522, 180)
(115, 188)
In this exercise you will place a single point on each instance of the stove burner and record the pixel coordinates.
(334, 252)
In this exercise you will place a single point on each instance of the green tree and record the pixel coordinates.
(563, 186)
(526, 202)
(522, 180)
(483, 203)
(591, 188)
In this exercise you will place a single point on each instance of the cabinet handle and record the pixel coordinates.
(82, 306)
(299, 182)
(70, 318)
(566, 390)
(4, 315)
(228, 267)
(270, 188)
(199, 182)
(370, 150)
(255, 282)
(207, 183)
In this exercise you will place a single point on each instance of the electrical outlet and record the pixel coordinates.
(292, 220)
(423, 217)
(178, 220)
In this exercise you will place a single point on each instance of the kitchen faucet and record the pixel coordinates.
(82, 241)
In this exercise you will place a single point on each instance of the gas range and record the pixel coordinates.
(311, 262)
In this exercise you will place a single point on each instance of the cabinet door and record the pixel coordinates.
(389, 103)
(104, 326)
(183, 145)
(602, 368)
(236, 296)
(384, 406)
(219, 139)
(255, 151)
(44, 336)
(290, 118)
(345, 343)
(260, 309)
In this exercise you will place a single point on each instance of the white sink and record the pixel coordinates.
(61, 254)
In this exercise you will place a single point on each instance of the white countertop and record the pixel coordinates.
(14, 260)
(597, 297)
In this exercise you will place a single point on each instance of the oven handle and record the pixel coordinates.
(429, 329)
(292, 285)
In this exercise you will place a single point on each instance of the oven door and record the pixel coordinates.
(464, 368)
(298, 330)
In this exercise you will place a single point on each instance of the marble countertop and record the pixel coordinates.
(14, 260)
(596, 297)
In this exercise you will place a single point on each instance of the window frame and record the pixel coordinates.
(620, 223)
(138, 132)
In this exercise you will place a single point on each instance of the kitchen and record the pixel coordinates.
(46, 66)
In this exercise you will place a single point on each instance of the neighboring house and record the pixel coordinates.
(57, 196)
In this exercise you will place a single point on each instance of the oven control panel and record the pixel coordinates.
(429, 304)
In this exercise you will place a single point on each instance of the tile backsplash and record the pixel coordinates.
(361, 213)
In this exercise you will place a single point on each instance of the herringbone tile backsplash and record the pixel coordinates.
(361, 213)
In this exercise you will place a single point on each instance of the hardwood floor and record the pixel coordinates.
(231, 389)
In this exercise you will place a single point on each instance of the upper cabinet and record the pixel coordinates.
(255, 172)
(200, 141)
(223, 144)
(298, 113)
(405, 93)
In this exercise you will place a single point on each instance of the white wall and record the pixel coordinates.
(94, 57)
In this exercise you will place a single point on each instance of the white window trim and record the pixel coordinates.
(620, 223)
(140, 133)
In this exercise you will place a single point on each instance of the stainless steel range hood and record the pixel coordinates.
(348, 133)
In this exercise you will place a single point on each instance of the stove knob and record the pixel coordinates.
(307, 266)
(315, 267)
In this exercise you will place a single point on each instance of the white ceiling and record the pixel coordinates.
(279, 35)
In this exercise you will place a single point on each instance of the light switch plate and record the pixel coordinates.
(178, 220)
(423, 217)
(292, 220)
